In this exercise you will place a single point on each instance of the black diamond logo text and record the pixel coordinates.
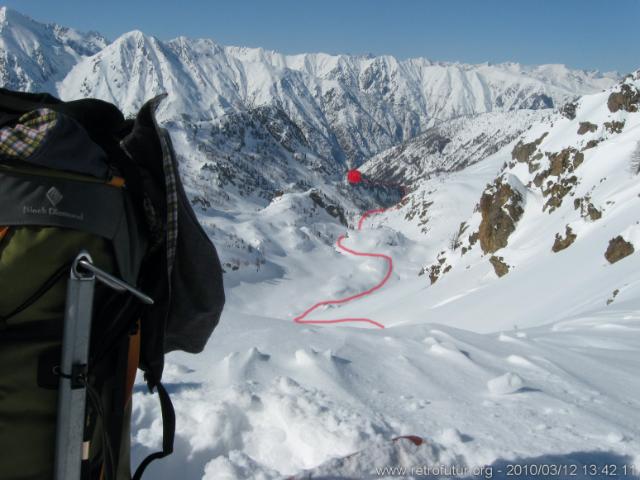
(54, 196)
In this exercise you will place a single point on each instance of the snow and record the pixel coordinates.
(505, 384)
(292, 398)
(531, 368)
(536, 367)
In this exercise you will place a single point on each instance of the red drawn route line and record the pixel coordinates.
(301, 318)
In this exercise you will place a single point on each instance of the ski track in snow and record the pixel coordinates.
(301, 318)
(537, 368)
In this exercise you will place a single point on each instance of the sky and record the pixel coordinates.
(586, 34)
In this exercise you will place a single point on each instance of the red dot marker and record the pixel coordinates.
(354, 176)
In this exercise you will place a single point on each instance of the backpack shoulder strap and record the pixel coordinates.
(168, 431)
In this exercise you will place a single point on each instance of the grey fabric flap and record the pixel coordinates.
(54, 202)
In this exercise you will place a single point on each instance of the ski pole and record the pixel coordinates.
(71, 449)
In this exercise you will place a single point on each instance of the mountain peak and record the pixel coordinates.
(135, 39)
(44, 53)
(12, 18)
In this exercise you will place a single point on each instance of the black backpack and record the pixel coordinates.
(77, 177)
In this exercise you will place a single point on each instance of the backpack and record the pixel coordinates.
(77, 177)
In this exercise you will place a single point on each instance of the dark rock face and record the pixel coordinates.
(586, 127)
(499, 266)
(566, 160)
(323, 202)
(562, 243)
(556, 192)
(587, 209)
(561, 164)
(434, 273)
(614, 127)
(540, 101)
(569, 110)
(501, 208)
(522, 151)
(435, 142)
(437, 269)
(628, 98)
(618, 249)
(591, 144)
(473, 238)
(614, 294)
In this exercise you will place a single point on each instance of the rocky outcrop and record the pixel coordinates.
(499, 266)
(628, 98)
(438, 269)
(556, 191)
(564, 242)
(323, 202)
(501, 208)
(614, 127)
(560, 165)
(419, 209)
(586, 127)
(568, 110)
(434, 273)
(473, 239)
(590, 144)
(564, 161)
(618, 249)
(587, 209)
(522, 151)
(614, 294)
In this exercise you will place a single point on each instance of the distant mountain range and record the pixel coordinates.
(348, 107)
(252, 125)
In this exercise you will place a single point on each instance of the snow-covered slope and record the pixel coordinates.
(450, 145)
(348, 107)
(575, 174)
(532, 369)
(535, 366)
(34, 56)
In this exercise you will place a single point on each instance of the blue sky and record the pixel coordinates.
(584, 34)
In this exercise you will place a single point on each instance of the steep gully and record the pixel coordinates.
(355, 177)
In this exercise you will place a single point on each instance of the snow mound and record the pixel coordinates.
(402, 457)
(283, 427)
(505, 384)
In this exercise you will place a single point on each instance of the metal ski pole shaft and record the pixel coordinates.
(70, 450)
(73, 368)
(114, 282)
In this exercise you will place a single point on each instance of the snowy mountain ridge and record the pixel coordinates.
(511, 313)
(518, 344)
(35, 56)
(348, 107)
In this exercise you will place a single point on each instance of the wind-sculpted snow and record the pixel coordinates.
(537, 366)
(271, 399)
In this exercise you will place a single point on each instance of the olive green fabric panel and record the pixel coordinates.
(29, 256)
(27, 414)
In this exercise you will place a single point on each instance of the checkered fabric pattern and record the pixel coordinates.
(172, 198)
(23, 139)
(171, 185)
